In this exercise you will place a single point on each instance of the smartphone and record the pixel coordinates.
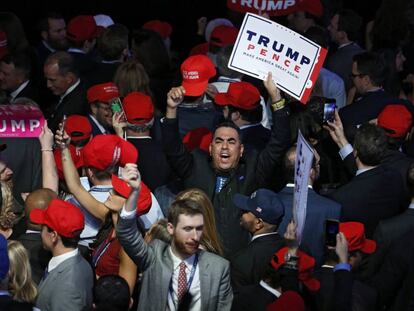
(331, 230)
(329, 112)
(116, 105)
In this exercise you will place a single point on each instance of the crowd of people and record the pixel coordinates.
(161, 183)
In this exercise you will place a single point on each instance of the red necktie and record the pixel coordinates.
(182, 281)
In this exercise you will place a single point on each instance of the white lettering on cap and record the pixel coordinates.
(116, 156)
(191, 75)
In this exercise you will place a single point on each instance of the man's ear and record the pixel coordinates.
(170, 228)
(44, 35)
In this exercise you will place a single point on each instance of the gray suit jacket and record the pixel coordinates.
(68, 287)
(156, 263)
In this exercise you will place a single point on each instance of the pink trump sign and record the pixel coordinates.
(20, 121)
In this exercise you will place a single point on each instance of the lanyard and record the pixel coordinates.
(190, 280)
(101, 250)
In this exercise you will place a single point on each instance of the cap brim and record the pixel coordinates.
(195, 89)
(222, 99)
(129, 154)
(242, 202)
(121, 186)
(369, 246)
(37, 216)
(312, 284)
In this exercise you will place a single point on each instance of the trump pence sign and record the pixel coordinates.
(264, 46)
(20, 121)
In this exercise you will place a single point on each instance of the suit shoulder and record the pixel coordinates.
(214, 259)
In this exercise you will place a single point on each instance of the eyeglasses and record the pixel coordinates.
(353, 76)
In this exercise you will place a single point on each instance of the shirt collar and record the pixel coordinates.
(75, 50)
(70, 89)
(226, 79)
(290, 185)
(57, 260)
(270, 289)
(176, 260)
(248, 125)
(32, 231)
(100, 127)
(19, 89)
(260, 235)
(362, 170)
(47, 46)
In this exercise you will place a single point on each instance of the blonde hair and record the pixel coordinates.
(21, 284)
(209, 239)
(7, 217)
(131, 77)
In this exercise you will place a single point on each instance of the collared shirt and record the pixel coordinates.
(270, 289)
(248, 125)
(362, 170)
(100, 127)
(57, 260)
(290, 185)
(195, 285)
(32, 231)
(76, 50)
(18, 90)
(411, 206)
(70, 89)
(47, 46)
(260, 235)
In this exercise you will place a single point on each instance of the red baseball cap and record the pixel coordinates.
(78, 127)
(355, 235)
(107, 151)
(3, 44)
(313, 7)
(164, 29)
(138, 108)
(242, 95)
(76, 158)
(82, 28)
(396, 120)
(306, 265)
(223, 35)
(198, 138)
(288, 301)
(199, 49)
(104, 92)
(61, 216)
(124, 190)
(196, 71)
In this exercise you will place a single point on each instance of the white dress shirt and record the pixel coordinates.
(57, 260)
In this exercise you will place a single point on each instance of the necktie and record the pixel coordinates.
(182, 281)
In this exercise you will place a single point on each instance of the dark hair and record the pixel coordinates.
(223, 57)
(65, 62)
(373, 65)
(252, 116)
(350, 23)
(43, 23)
(289, 164)
(102, 174)
(68, 242)
(319, 35)
(112, 42)
(183, 207)
(111, 293)
(229, 124)
(21, 61)
(16, 36)
(370, 143)
(149, 49)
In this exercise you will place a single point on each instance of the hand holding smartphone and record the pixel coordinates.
(331, 230)
(329, 112)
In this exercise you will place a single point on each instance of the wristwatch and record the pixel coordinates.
(278, 105)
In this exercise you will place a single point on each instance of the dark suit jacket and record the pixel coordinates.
(39, 257)
(370, 197)
(8, 304)
(388, 233)
(252, 298)
(255, 137)
(249, 264)
(365, 108)
(30, 91)
(102, 73)
(73, 103)
(340, 62)
(318, 210)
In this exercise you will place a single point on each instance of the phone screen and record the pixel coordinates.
(329, 112)
(331, 230)
(116, 105)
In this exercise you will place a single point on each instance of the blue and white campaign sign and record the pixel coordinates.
(264, 46)
(303, 165)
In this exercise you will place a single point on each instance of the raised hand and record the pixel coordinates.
(62, 139)
(341, 248)
(175, 97)
(336, 130)
(46, 138)
(290, 238)
(131, 175)
(119, 123)
(271, 88)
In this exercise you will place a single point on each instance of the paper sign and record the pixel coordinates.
(270, 7)
(303, 165)
(20, 121)
(264, 46)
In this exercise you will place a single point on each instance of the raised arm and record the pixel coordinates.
(126, 229)
(96, 208)
(268, 170)
(179, 158)
(50, 177)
